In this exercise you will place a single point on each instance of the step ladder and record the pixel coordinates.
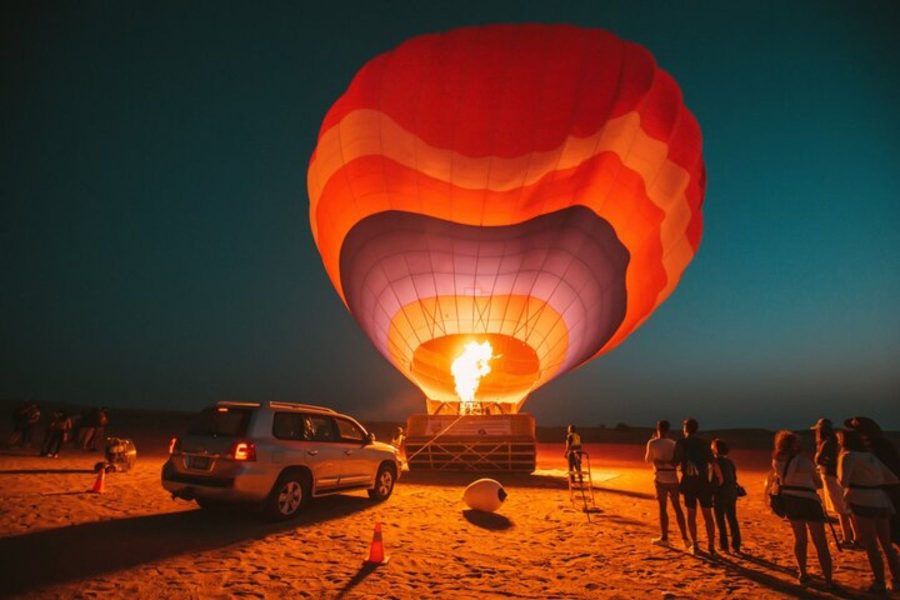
(581, 487)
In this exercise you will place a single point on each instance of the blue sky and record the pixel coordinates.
(155, 248)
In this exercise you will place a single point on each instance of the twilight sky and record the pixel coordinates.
(155, 248)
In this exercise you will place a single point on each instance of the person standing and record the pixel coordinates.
(573, 453)
(885, 451)
(863, 477)
(83, 427)
(20, 423)
(802, 507)
(57, 430)
(693, 456)
(826, 460)
(101, 420)
(660, 453)
(725, 498)
(31, 423)
(398, 442)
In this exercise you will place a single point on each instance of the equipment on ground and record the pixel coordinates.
(486, 495)
(121, 454)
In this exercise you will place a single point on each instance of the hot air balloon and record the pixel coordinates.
(535, 188)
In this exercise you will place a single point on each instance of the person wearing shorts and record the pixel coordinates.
(695, 459)
(863, 478)
(799, 481)
(660, 453)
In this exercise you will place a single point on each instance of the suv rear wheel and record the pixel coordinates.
(384, 483)
(289, 494)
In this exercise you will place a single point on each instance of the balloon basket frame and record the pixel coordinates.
(476, 443)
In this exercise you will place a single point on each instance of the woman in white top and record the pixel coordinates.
(799, 481)
(863, 478)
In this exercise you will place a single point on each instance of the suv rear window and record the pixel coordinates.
(220, 421)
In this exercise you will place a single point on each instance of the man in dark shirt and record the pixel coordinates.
(695, 460)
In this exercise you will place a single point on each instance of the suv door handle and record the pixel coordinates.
(348, 452)
(312, 452)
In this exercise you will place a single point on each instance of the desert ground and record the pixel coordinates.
(134, 541)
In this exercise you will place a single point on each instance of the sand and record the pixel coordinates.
(134, 541)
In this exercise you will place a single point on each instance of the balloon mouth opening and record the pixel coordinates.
(514, 370)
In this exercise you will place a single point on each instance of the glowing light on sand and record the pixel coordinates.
(468, 369)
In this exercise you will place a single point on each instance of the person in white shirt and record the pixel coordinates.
(863, 478)
(660, 452)
(799, 483)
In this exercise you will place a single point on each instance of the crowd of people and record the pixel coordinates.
(856, 468)
(83, 430)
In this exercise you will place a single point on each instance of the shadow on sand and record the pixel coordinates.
(486, 520)
(737, 567)
(364, 571)
(54, 556)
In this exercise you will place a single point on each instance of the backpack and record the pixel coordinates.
(775, 485)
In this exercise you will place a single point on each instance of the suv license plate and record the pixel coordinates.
(198, 462)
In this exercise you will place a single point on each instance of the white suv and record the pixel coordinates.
(277, 454)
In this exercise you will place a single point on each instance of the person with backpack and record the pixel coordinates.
(694, 458)
(660, 452)
(863, 478)
(725, 498)
(798, 481)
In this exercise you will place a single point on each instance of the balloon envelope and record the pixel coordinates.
(535, 186)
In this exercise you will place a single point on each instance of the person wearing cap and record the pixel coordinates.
(826, 463)
(863, 478)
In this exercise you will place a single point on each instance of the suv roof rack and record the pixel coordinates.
(300, 406)
(237, 403)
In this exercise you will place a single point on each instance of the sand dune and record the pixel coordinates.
(134, 541)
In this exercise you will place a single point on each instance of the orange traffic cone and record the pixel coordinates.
(376, 550)
(100, 484)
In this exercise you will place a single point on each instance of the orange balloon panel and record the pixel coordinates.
(467, 177)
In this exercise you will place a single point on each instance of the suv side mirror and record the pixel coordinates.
(370, 439)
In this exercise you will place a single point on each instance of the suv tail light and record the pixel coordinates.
(244, 451)
(174, 445)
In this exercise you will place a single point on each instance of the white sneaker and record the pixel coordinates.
(660, 541)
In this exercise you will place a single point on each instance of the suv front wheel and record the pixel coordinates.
(384, 483)
(289, 494)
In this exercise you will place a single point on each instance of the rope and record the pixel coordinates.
(432, 440)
